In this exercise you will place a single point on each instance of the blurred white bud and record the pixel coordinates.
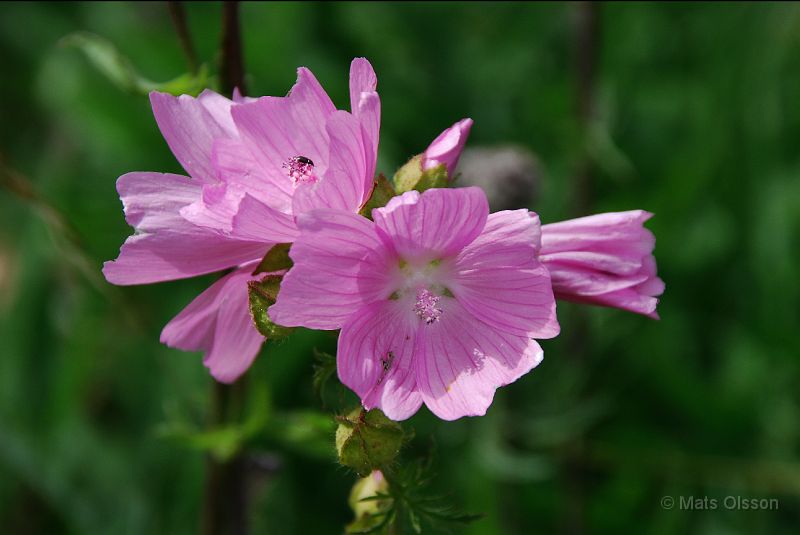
(509, 174)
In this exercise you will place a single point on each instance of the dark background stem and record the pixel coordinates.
(587, 37)
(178, 16)
(231, 66)
(225, 496)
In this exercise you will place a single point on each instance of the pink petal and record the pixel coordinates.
(275, 129)
(256, 221)
(230, 211)
(220, 109)
(366, 106)
(627, 299)
(369, 115)
(568, 279)
(236, 340)
(193, 328)
(500, 282)
(362, 79)
(375, 358)
(218, 322)
(436, 224)
(166, 246)
(446, 148)
(340, 264)
(215, 208)
(235, 164)
(613, 232)
(190, 130)
(346, 182)
(461, 361)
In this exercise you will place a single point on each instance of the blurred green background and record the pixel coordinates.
(697, 120)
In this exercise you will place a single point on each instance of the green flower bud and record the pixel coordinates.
(366, 441)
(412, 176)
(362, 501)
(382, 192)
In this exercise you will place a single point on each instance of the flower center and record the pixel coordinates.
(426, 307)
(300, 169)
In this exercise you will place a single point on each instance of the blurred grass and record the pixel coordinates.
(699, 102)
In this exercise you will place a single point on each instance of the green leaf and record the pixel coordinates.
(367, 441)
(382, 192)
(276, 259)
(107, 59)
(225, 441)
(304, 431)
(262, 294)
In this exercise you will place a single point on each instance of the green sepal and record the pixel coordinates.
(367, 441)
(262, 295)
(382, 192)
(276, 259)
(412, 176)
(107, 59)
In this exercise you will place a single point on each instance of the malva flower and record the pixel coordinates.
(438, 302)
(604, 259)
(254, 164)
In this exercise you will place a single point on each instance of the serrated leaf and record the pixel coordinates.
(276, 259)
(382, 193)
(262, 295)
(107, 59)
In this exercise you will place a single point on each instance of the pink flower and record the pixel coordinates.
(447, 147)
(438, 301)
(255, 164)
(604, 259)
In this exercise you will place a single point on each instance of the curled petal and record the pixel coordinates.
(604, 259)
